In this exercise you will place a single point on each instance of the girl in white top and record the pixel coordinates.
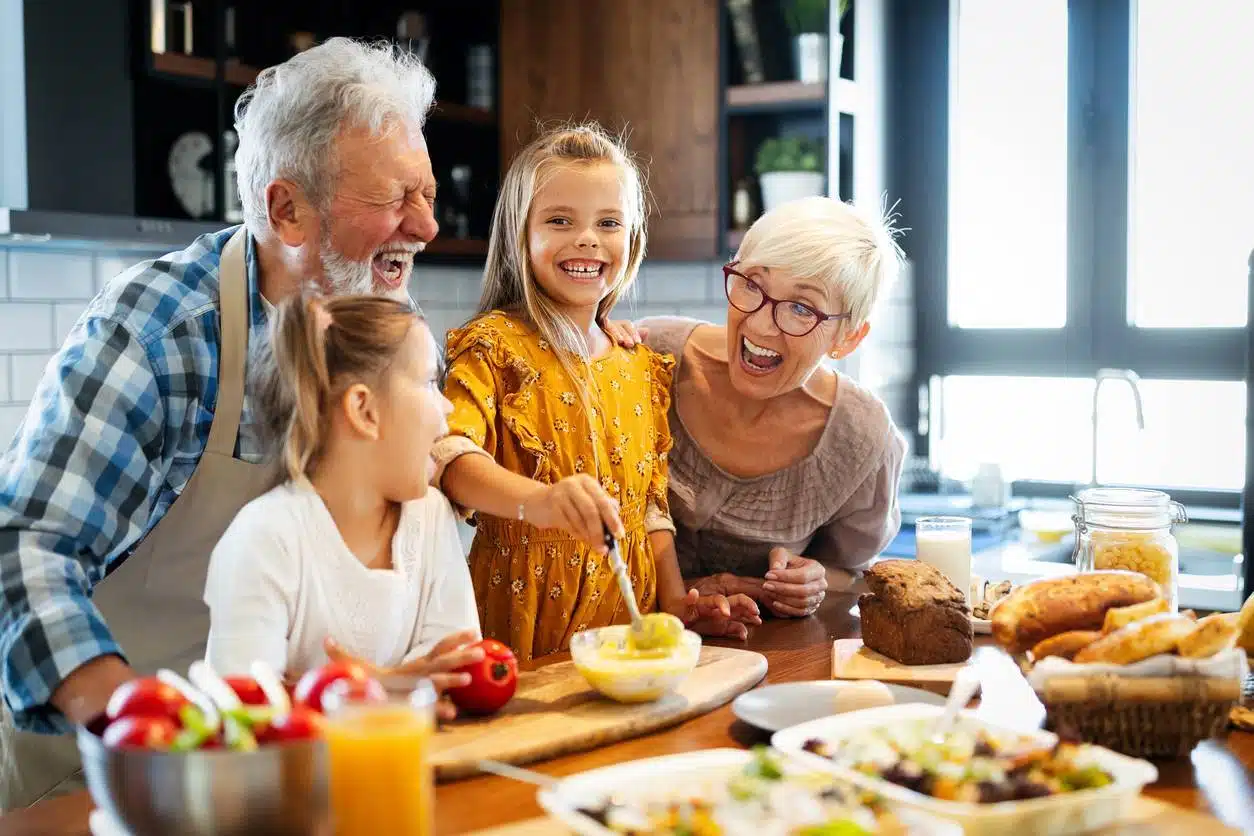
(351, 555)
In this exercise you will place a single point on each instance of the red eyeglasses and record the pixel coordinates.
(747, 296)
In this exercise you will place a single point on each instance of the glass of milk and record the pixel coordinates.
(945, 543)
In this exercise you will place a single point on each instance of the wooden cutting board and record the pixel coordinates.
(555, 712)
(1149, 817)
(852, 660)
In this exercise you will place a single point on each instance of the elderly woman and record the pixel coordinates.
(784, 473)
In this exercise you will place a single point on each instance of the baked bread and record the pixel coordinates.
(913, 614)
(1139, 640)
(1245, 627)
(1123, 616)
(1047, 607)
(1066, 645)
(1211, 635)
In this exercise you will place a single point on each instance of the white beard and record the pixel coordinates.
(343, 276)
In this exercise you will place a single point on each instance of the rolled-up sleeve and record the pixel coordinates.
(77, 487)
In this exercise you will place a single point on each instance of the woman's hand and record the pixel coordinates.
(724, 616)
(579, 505)
(725, 583)
(625, 333)
(794, 586)
(440, 666)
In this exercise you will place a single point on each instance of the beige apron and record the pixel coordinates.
(154, 602)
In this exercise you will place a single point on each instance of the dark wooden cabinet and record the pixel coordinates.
(650, 67)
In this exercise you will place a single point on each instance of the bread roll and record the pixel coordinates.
(1066, 645)
(1212, 634)
(1123, 616)
(1047, 607)
(1245, 626)
(1139, 640)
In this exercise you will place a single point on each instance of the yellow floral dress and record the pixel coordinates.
(537, 587)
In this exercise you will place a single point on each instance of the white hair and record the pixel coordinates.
(822, 239)
(289, 119)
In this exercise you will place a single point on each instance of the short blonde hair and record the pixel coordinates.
(823, 239)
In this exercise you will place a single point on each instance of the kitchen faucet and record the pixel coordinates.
(1132, 380)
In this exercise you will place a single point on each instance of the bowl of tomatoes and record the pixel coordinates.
(216, 755)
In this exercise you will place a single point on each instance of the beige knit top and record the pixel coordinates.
(837, 505)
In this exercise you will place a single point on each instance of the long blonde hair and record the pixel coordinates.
(317, 349)
(509, 284)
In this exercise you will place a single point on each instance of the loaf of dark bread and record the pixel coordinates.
(913, 614)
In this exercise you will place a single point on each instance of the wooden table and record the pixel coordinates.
(1218, 778)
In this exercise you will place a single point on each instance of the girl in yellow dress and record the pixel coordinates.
(557, 434)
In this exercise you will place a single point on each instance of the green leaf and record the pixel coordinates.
(239, 736)
(793, 153)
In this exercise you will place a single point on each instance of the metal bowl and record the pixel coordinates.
(278, 789)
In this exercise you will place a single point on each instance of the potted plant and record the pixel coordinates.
(808, 20)
(789, 168)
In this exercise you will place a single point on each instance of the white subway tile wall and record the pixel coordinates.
(43, 292)
(36, 274)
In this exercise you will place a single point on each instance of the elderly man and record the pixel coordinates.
(137, 450)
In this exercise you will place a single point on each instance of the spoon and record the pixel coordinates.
(546, 782)
(527, 776)
(655, 631)
(966, 683)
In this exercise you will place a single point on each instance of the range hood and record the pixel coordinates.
(76, 229)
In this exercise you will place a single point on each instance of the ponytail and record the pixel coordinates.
(317, 349)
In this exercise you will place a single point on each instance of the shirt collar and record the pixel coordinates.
(259, 309)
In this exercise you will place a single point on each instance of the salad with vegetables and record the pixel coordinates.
(762, 799)
(967, 764)
(206, 711)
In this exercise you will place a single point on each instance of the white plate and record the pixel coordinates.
(1074, 812)
(775, 707)
(665, 777)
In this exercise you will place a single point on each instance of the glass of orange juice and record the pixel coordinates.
(380, 754)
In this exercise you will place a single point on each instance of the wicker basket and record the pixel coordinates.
(1141, 717)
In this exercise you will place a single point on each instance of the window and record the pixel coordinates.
(1192, 193)
(1098, 213)
(1008, 193)
(1040, 428)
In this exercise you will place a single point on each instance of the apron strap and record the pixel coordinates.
(233, 350)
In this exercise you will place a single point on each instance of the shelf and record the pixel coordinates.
(785, 96)
(192, 66)
(452, 112)
(457, 246)
(242, 75)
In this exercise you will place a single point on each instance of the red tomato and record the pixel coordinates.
(146, 697)
(314, 683)
(492, 680)
(139, 732)
(299, 724)
(247, 689)
(357, 690)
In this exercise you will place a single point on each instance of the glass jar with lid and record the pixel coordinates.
(1130, 529)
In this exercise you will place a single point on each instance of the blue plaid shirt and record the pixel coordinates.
(114, 431)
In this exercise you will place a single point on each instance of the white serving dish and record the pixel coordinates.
(775, 707)
(638, 680)
(1076, 812)
(665, 777)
